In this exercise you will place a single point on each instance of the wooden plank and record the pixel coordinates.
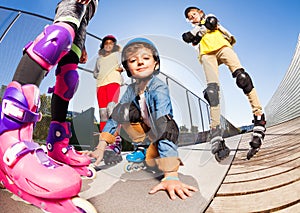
(266, 172)
(270, 181)
(258, 202)
(264, 184)
(265, 164)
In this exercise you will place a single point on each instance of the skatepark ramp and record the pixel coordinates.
(270, 181)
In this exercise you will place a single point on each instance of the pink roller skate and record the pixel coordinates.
(60, 150)
(25, 169)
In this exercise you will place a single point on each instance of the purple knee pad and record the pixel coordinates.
(67, 80)
(51, 45)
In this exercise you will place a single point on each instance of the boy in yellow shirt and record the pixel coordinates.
(215, 45)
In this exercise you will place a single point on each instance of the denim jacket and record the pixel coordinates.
(158, 103)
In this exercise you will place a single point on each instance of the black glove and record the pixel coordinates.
(188, 37)
(211, 23)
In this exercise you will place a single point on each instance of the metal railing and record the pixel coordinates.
(18, 27)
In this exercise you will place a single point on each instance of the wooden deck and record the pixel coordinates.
(270, 181)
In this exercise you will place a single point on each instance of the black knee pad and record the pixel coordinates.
(167, 129)
(243, 80)
(211, 94)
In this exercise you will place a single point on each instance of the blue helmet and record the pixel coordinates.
(148, 44)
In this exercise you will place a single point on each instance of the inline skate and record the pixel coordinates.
(112, 153)
(59, 149)
(136, 159)
(257, 136)
(25, 169)
(219, 148)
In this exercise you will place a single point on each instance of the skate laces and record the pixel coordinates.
(216, 140)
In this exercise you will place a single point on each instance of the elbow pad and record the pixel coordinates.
(167, 129)
(127, 112)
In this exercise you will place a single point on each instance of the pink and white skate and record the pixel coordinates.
(25, 169)
(59, 149)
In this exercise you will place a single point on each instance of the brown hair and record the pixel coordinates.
(134, 47)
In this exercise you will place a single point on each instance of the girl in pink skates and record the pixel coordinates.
(47, 181)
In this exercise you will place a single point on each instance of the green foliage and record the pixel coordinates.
(41, 129)
(183, 129)
(194, 129)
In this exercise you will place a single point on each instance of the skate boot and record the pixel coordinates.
(60, 150)
(136, 160)
(219, 148)
(258, 135)
(25, 169)
(112, 153)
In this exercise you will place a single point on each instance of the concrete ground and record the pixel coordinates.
(268, 182)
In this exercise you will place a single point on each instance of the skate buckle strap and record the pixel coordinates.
(259, 131)
(18, 149)
(66, 149)
(19, 112)
(216, 139)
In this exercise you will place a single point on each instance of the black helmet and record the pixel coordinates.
(140, 41)
(187, 10)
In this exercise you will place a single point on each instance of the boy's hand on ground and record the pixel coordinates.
(174, 187)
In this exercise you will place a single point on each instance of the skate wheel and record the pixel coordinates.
(136, 168)
(92, 173)
(251, 153)
(83, 205)
(128, 167)
(222, 154)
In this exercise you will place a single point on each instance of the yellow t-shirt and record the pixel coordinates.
(212, 41)
(107, 69)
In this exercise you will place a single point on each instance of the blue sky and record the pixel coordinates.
(266, 32)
